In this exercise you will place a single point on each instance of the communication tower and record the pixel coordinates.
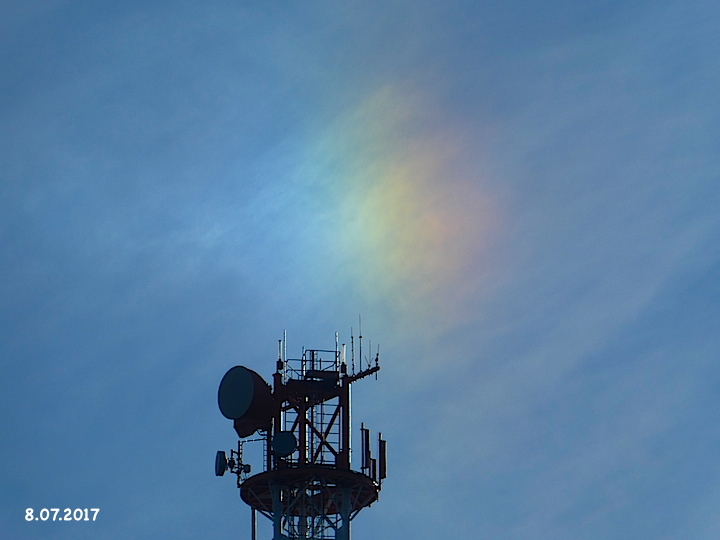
(308, 488)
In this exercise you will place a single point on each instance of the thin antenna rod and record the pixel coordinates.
(352, 350)
(360, 337)
(377, 361)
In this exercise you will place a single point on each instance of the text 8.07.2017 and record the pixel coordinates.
(67, 514)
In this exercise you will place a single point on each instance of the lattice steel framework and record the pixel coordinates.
(308, 489)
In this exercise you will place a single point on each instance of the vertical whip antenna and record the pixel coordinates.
(360, 338)
(352, 350)
(377, 361)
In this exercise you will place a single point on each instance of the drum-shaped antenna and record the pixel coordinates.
(246, 398)
(238, 389)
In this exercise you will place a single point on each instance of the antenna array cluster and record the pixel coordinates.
(308, 488)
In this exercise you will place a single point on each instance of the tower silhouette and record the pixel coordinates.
(308, 488)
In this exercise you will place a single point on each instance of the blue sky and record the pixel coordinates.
(520, 198)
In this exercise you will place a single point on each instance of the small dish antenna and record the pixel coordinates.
(284, 443)
(221, 463)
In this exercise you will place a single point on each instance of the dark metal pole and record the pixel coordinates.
(344, 457)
